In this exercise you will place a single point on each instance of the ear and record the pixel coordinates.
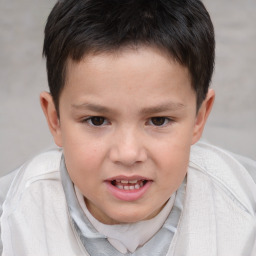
(51, 115)
(202, 115)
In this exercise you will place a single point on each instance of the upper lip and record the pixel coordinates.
(123, 177)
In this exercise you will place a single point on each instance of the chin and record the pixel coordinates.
(126, 220)
(127, 217)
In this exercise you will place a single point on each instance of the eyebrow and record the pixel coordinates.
(169, 106)
(92, 107)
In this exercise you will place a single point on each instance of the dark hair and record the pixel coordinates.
(183, 28)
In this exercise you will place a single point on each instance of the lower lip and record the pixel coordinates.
(128, 195)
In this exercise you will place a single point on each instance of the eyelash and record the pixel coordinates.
(103, 121)
(165, 119)
(89, 121)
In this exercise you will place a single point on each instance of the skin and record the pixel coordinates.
(128, 89)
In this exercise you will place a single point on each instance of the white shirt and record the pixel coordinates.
(128, 237)
(218, 216)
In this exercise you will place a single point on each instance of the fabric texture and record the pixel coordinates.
(128, 237)
(217, 217)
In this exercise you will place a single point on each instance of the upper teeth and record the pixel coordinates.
(127, 181)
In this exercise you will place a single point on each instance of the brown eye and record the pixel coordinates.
(97, 120)
(159, 121)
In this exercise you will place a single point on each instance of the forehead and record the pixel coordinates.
(132, 59)
(144, 73)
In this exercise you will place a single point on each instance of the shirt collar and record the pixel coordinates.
(75, 211)
(128, 237)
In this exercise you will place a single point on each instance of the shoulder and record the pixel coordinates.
(39, 167)
(232, 175)
(5, 183)
(42, 166)
(211, 157)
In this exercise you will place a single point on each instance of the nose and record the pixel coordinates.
(127, 148)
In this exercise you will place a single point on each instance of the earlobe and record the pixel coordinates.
(202, 115)
(51, 116)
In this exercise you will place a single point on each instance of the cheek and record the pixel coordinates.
(83, 159)
(84, 153)
(175, 162)
(172, 158)
(79, 146)
(174, 149)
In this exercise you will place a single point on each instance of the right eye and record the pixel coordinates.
(159, 121)
(96, 121)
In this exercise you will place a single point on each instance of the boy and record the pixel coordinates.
(128, 97)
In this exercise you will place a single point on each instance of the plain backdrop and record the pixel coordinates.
(23, 129)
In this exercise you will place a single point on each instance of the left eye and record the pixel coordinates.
(159, 121)
(96, 121)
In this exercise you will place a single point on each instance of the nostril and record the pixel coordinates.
(127, 157)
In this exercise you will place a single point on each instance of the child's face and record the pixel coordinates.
(127, 121)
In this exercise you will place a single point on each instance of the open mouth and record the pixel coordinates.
(128, 188)
(129, 184)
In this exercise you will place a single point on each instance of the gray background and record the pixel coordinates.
(23, 130)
